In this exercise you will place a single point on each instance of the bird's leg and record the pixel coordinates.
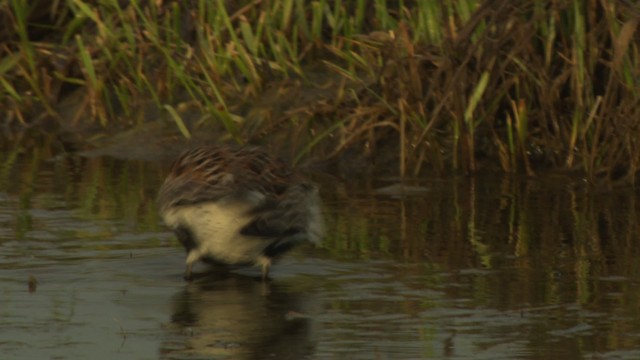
(192, 257)
(265, 262)
(265, 272)
(187, 273)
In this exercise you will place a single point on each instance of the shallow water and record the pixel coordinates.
(457, 268)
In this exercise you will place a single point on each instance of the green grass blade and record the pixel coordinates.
(178, 120)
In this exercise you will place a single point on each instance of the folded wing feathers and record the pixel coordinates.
(283, 218)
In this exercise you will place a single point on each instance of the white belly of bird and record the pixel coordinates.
(215, 227)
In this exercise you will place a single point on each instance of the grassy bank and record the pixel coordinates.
(412, 86)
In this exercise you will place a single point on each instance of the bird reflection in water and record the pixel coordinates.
(228, 315)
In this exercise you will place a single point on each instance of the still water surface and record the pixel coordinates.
(459, 268)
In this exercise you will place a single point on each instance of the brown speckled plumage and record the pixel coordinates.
(238, 205)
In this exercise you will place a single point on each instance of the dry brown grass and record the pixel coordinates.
(412, 87)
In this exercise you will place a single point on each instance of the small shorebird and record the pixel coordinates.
(238, 206)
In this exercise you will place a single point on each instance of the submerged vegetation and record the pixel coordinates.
(457, 85)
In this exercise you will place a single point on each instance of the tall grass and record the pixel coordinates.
(457, 85)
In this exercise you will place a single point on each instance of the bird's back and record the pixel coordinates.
(207, 173)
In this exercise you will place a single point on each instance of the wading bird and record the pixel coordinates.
(238, 206)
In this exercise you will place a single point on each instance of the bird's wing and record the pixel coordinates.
(293, 219)
(287, 216)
